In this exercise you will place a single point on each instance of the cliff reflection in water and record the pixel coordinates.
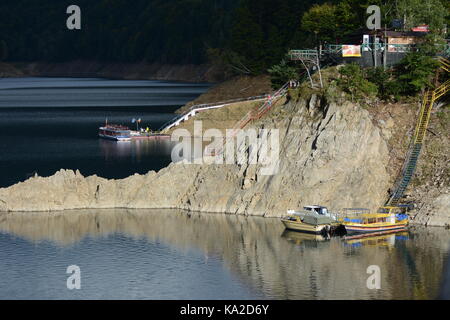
(275, 263)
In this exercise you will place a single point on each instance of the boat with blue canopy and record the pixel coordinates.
(360, 220)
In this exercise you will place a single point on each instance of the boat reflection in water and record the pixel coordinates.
(375, 239)
(137, 150)
(388, 238)
(309, 239)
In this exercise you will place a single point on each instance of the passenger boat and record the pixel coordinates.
(312, 219)
(115, 132)
(357, 220)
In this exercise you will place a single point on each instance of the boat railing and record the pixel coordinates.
(352, 215)
(311, 214)
(115, 127)
(354, 211)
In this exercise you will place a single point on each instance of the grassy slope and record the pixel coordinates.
(237, 87)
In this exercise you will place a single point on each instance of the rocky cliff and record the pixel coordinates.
(329, 153)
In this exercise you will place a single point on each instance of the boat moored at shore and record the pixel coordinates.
(318, 220)
(115, 132)
(123, 133)
(359, 220)
(312, 219)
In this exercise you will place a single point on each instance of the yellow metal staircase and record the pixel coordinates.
(445, 64)
(429, 98)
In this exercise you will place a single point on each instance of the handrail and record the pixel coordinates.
(212, 104)
(251, 115)
(337, 48)
(406, 173)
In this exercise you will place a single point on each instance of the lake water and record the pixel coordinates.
(47, 124)
(171, 254)
(51, 123)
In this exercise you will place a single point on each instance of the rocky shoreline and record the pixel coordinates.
(320, 161)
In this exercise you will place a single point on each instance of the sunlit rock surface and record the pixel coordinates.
(329, 154)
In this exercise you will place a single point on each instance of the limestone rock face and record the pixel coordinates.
(434, 212)
(329, 154)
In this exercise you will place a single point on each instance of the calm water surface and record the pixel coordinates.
(148, 254)
(48, 124)
(51, 123)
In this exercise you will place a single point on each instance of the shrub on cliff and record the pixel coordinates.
(352, 80)
(386, 82)
(282, 73)
(415, 72)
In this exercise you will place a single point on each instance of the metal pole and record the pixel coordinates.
(374, 51)
(385, 49)
(309, 75)
(320, 73)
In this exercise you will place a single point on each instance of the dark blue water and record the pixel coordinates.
(51, 123)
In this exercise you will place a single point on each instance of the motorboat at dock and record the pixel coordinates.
(312, 219)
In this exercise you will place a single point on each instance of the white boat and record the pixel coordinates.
(312, 219)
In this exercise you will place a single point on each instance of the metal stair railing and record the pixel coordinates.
(442, 89)
(167, 125)
(412, 157)
(270, 102)
(424, 118)
(445, 64)
(303, 54)
(249, 116)
(406, 174)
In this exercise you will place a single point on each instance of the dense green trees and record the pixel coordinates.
(172, 31)
(255, 33)
(263, 31)
(415, 12)
(353, 81)
(282, 73)
(334, 20)
(249, 36)
(3, 50)
(412, 75)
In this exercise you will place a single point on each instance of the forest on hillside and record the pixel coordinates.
(253, 33)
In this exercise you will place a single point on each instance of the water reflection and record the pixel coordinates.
(377, 239)
(136, 150)
(265, 258)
